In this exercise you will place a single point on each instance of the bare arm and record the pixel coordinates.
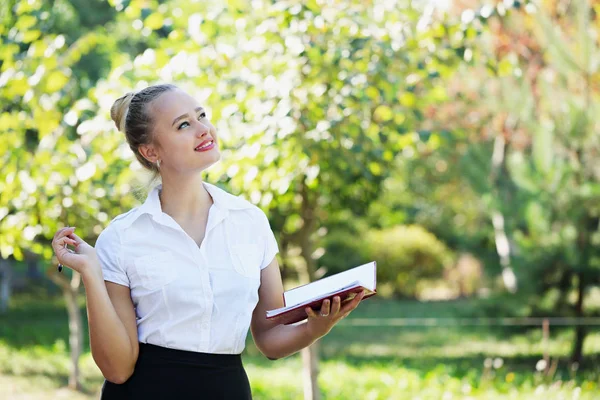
(111, 315)
(277, 341)
(113, 330)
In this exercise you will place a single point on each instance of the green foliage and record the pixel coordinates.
(540, 103)
(312, 103)
(317, 105)
(57, 169)
(343, 250)
(406, 255)
(555, 220)
(303, 96)
(403, 363)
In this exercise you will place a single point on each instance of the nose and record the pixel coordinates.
(202, 130)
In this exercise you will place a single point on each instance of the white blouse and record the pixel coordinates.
(188, 297)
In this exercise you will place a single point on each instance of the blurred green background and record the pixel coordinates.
(455, 142)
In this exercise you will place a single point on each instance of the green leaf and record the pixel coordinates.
(543, 149)
(408, 99)
(505, 67)
(375, 168)
(30, 36)
(154, 21)
(25, 22)
(521, 172)
(55, 81)
(372, 93)
(382, 113)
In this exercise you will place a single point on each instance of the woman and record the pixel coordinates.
(173, 285)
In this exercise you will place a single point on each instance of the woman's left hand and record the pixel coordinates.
(320, 324)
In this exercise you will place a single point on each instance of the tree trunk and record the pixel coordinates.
(310, 371)
(5, 278)
(587, 226)
(580, 331)
(501, 239)
(564, 285)
(71, 293)
(310, 355)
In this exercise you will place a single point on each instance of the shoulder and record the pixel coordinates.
(243, 206)
(254, 217)
(112, 232)
(124, 220)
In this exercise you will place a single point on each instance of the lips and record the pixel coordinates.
(206, 145)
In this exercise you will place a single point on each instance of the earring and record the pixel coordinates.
(158, 164)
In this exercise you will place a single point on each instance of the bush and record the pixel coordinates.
(342, 251)
(406, 255)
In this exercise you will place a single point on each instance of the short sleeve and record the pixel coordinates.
(108, 249)
(271, 247)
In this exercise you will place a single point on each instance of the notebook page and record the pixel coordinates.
(364, 274)
(308, 301)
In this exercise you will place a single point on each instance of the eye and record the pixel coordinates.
(202, 115)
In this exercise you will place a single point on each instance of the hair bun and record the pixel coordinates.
(118, 111)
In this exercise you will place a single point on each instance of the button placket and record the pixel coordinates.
(208, 299)
(204, 276)
(215, 216)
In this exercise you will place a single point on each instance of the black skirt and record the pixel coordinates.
(162, 373)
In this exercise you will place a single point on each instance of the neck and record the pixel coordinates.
(184, 197)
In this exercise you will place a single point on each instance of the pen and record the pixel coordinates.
(60, 266)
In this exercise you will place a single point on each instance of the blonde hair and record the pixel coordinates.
(131, 115)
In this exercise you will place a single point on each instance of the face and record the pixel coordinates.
(184, 139)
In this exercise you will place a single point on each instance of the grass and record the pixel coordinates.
(442, 362)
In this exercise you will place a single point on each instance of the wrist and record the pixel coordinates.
(310, 333)
(92, 272)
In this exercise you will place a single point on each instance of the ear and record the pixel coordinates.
(149, 152)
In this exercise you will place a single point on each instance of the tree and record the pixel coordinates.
(522, 139)
(53, 175)
(313, 102)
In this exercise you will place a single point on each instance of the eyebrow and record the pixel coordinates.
(185, 115)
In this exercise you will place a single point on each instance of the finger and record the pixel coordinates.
(59, 233)
(70, 241)
(337, 304)
(341, 316)
(353, 303)
(63, 238)
(63, 232)
(60, 239)
(74, 236)
(325, 307)
(310, 312)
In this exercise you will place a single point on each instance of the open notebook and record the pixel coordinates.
(345, 284)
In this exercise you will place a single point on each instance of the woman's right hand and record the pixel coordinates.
(83, 259)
